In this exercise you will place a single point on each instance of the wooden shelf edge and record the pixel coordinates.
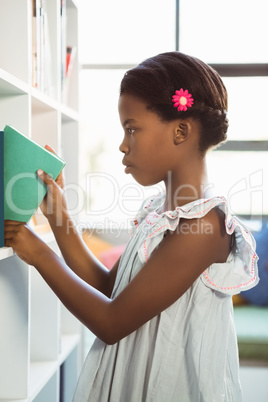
(69, 114)
(41, 101)
(6, 252)
(11, 85)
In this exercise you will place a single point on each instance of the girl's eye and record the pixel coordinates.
(131, 130)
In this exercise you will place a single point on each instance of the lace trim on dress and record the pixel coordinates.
(238, 273)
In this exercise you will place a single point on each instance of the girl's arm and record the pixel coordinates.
(80, 259)
(75, 252)
(178, 261)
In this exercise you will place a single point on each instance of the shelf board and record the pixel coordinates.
(11, 85)
(41, 102)
(69, 114)
(40, 374)
(6, 252)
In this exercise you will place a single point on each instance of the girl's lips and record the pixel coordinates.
(126, 163)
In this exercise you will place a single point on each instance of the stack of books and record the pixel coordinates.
(42, 76)
(41, 48)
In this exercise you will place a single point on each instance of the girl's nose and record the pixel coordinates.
(123, 147)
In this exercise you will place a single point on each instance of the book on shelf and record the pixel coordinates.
(1, 189)
(41, 48)
(69, 64)
(23, 190)
(63, 25)
(68, 55)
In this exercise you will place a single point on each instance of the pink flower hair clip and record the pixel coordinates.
(182, 100)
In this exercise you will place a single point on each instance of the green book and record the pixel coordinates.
(23, 190)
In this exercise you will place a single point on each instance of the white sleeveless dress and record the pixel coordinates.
(188, 353)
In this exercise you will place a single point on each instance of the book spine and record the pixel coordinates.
(34, 45)
(70, 59)
(2, 189)
(38, 43)
(63, 21)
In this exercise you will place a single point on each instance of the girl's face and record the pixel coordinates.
(148, 146)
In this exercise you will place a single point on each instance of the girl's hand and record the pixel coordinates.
(53, 205)
(60, 179)
(25, 243)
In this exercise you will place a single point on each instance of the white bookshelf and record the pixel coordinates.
(40, 341)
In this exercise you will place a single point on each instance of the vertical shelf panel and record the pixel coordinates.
(14, 334)
(69, 323)
(69, 146)
(45, 317)
(14, 37)
(44, 320)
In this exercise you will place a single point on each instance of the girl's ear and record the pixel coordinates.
(181, 132)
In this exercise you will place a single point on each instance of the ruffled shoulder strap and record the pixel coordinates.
(238, 273)
(147, 207)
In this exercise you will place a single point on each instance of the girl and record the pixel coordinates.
(163, 315)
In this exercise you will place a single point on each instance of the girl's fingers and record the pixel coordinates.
(59, 179)
(8, 235)
(11, 229)
(8, 243)
(45, 177)
(48, 147)
(49, 181)
(9, 222)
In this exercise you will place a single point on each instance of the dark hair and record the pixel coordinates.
(156, 79)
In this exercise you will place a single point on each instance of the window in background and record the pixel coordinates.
(231, 35)
(248, 104)
(240, 176)
(217, 32)
(125, 32)
(224, 31)
(110, 43)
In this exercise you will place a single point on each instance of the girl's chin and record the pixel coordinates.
(128, 169)
(143, 181)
